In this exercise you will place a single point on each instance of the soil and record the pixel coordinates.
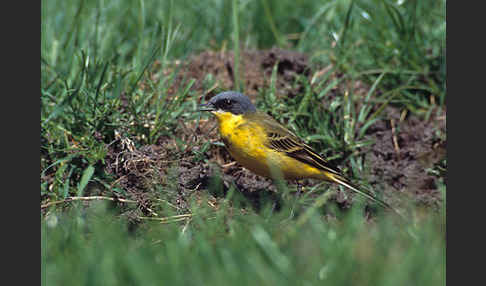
(255, 68)
(400, 162)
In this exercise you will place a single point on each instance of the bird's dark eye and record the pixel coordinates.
(226, 103)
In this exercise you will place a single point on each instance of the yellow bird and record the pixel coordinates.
(262, 145)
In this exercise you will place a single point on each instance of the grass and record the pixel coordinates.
(107, 68)
(94, 247)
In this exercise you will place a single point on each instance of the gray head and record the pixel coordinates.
(229, 101)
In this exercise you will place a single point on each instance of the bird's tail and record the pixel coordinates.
(346, 183)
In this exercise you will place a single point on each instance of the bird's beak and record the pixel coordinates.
(207, 107)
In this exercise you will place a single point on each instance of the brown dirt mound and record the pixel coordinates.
(405, 148)
(404, 152)
(255, 70)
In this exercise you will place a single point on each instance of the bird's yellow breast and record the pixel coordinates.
(246, 142)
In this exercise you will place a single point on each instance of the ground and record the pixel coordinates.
(402, 163)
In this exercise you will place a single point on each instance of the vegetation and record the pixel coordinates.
(112, 85)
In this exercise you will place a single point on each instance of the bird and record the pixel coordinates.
(262, 145)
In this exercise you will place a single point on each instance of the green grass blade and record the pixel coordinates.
(276, 34)
(347, 26)
(87, 174)
(366, 108)
(236, 46)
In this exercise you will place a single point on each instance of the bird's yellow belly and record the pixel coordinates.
(273, 165)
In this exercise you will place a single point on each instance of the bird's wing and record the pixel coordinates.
(281, 139)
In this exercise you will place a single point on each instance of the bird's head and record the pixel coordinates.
(229, 101)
